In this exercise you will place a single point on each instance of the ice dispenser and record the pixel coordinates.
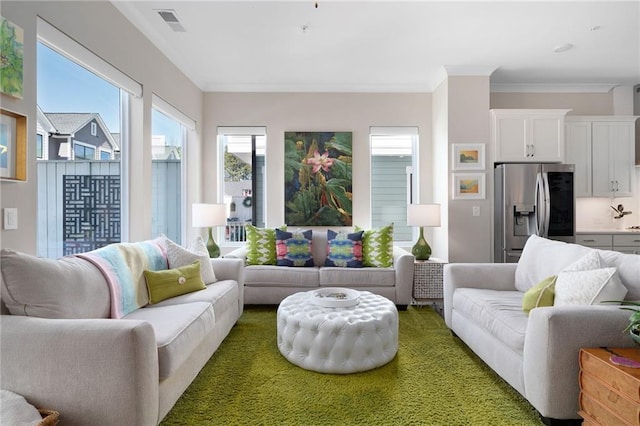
(524, 219)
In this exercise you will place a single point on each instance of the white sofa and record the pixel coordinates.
(537, 354)
(269, 284)
(96, 370)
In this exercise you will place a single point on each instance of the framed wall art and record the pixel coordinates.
(13, 146)
(468, 156)
(317, 178)
(11, 45)
(468, 186)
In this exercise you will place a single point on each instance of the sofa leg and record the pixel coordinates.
(560, 422)
(401, 307)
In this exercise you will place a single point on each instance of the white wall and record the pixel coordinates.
(281, 112)
(102, 29)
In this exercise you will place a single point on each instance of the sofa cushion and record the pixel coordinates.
(179, 330)
(497, 311)
(542, 258)
(277, 276)
(344, 249)
(628, 267)
(173, 282)
(261, 245)
(356, 277)
(222, 295)
(294, 248)
(377, 247)
(179, 256)
(69, 287)
(588, 287)
(541, 294)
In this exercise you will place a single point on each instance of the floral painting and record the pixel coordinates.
(11, 48)
(318, 174)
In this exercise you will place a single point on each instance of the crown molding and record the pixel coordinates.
(551, 88)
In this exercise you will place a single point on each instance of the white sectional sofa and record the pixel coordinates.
(537, 354)
(270, 284)
(96, 370)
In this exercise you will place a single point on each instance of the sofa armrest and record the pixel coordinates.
(93, 371)
(231, 269)
(551, 348)
(493, 276)
(239, 253)
(403, 264)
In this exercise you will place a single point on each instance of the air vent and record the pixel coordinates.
(169, 16)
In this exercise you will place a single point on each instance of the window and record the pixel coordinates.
(242, 155)
(83, 152)
(79, 203)
(39, 146)
(393, 153)
(169, 138)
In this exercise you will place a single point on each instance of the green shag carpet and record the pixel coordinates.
(433, 380)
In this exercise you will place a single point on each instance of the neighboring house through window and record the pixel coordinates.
(393, 177)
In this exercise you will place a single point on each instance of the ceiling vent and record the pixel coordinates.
(169, 16)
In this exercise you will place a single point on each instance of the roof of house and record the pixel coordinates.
(69, 122)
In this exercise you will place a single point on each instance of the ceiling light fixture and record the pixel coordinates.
(594, 28)
(562, 48)
(304, 29)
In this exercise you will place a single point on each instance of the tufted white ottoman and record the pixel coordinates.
(338, 340)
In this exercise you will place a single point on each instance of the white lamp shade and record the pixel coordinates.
(423, 215)
(207, 215)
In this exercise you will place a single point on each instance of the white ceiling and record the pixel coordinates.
(393, 46)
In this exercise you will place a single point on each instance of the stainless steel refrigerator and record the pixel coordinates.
(532, 199)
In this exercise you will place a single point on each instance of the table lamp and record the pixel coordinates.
(422, 215)
(208, 216)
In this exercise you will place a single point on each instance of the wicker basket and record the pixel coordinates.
(49, 417)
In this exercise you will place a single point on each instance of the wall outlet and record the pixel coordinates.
(476, 210)
(10, 218)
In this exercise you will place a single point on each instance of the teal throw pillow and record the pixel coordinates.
(344, 249)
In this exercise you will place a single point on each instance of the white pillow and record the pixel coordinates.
(588, 262)
(179, 256)
(588, 287)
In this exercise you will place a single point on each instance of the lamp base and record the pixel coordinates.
(212, 247)
(421, 250)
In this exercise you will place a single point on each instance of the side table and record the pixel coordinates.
(427, 283)
(609, 393)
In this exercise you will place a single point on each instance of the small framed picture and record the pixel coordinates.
(468, 186)
(468, 156)
(13, 146)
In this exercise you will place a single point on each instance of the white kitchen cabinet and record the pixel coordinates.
(627, 243)
(603, 150)
(599, 241)
(528, 135)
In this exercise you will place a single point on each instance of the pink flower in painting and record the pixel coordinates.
(320, 161)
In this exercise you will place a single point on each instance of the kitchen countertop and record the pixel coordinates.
(608, 231)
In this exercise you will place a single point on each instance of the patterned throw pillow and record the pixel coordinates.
(377, 247)
(293, 248)
(344, 249)
(261, 245)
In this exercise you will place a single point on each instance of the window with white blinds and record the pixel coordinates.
(392, 177)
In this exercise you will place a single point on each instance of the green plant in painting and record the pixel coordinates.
(318, 175)
(11, 48)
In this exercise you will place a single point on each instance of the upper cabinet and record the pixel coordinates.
(603, 151)
(528, 135)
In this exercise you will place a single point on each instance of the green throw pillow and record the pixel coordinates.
(377, 247)
(261, 245)
(541, 294)
(170, 283)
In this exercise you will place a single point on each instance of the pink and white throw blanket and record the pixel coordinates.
(122, 265)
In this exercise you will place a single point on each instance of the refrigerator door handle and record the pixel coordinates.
(539, 205)
(547, 204)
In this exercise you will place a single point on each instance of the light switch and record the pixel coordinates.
(476, 210)
(10, 218)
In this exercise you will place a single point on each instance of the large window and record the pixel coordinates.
(168, 149)
(80, 188)
(393, 177)
(242, 154)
